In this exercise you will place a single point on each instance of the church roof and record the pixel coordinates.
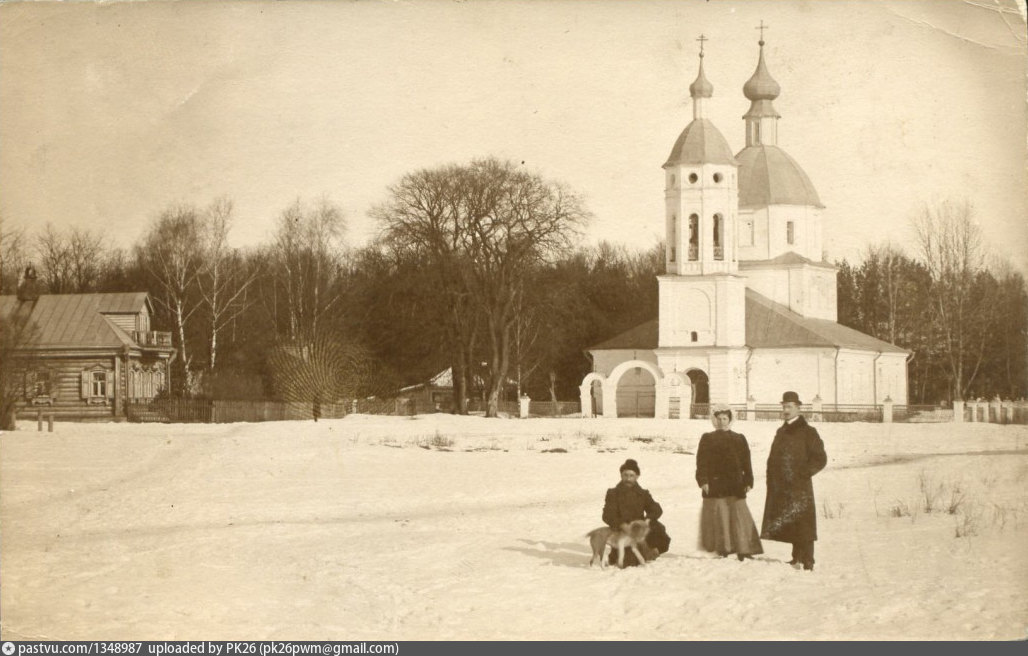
(787, 258)
(773, 325)
(768, 325)
(642, 337)
(76, 320)
(768, 176)
(701, 143)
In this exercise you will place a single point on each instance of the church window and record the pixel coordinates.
(672, 181)
(694, 242)
(790, 233)
(694, 337)
(717, 177)
(693, 178)
(674, 237)
(746, 238)
(756, 133)
(719, 227)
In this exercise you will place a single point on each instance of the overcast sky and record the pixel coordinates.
(109, 113)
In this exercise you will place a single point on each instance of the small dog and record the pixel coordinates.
(630, 535)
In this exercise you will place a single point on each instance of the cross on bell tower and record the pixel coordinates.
(761, 27)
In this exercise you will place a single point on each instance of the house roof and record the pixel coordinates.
(768, 325)
(77, 320)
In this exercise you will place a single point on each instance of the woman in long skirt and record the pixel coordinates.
(724, 473)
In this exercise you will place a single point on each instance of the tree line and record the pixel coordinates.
(962, 312)
(479, 268)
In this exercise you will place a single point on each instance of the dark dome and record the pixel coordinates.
(768, 176)
(701, 88)
(761, 86)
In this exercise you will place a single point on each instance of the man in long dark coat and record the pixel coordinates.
(627, 502)
(790, 514)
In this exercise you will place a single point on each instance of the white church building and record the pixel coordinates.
(747, 307)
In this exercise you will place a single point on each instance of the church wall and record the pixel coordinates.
(758, 250)
(772, 283)
(712, 307)
(806, 290)
(806, 371)
(604, 360)
(856, 377)
(806, 240)
(892, 378)
(820, 301)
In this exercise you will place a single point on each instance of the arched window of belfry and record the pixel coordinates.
(719, 227)
(694, 237)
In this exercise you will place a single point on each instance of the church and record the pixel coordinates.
(747, 306)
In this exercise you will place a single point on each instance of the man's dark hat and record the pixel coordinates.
(792, 397)
(630, 464)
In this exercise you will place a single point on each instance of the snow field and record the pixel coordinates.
(445, 527)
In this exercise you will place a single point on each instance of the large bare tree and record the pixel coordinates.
(951, 247)
(306, 261)
(484, 225)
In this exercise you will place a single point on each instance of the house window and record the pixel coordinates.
(98, 384)
(790, 233)
(39, 383)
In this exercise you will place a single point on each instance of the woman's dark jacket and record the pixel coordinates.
(626, 503)
(797, 453)
(723, 464)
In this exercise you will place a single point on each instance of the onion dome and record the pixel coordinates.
(701, 88)
(761, 86)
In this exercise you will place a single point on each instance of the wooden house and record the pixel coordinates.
(84, 356)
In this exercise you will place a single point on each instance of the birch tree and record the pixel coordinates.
(225, 280)
(172, 253)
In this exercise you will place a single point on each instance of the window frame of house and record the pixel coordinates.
(39, 384)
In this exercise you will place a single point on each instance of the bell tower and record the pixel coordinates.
(702, 298)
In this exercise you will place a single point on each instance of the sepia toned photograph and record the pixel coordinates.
(553, 320)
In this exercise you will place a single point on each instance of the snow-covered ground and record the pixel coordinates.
(441, 527)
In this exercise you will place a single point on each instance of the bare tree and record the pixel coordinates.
(225, 278)
(85, 254)
(484, 225)
(306, 260)
(12, 256)
(54, 254)
(172, 253)
(950, 244)
(16, 333)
